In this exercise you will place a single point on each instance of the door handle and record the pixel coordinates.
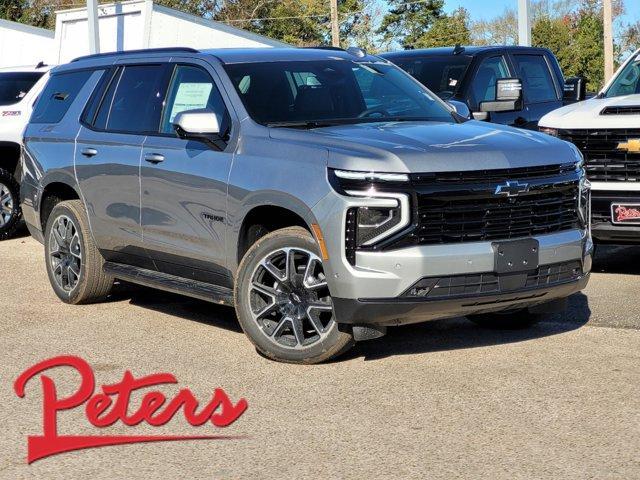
(89, 152)
(154, 158)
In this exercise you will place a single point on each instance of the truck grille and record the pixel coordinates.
(604, 160)
(450, 218)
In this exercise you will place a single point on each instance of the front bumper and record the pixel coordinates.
(402, 311)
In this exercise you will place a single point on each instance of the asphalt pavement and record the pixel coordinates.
(439, 400)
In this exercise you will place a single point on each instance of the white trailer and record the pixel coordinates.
(142, 24)
(24, 45)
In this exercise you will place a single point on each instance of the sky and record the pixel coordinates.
(486, 9)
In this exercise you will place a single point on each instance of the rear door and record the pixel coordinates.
(108, 155)
(184, 182)
(541, 91)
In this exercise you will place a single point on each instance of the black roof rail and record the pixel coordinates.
(326, 47)
(133, 52)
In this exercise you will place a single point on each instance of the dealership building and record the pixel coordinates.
(123, 26)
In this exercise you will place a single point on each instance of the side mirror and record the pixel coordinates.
(201, 124)
(460, 108)
(508, 96)
(575, 89)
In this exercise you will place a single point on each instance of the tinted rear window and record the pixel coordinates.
(15, 85)
(58, 95)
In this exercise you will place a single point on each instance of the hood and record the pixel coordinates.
(432, 147)
(587, 114)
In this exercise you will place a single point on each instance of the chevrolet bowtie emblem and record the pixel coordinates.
(511, 189)
(631, 146)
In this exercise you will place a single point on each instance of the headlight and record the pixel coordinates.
(380, 216)
(373, 223)
(549, 131)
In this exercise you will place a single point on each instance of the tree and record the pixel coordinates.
(299, 22)
(448, 30)
(407, 20)
(501, 30)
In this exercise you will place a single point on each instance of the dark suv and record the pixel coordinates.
(324, 194)
(470, 75)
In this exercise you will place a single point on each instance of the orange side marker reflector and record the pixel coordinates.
(320, 239)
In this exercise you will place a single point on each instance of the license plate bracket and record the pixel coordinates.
(514, 256)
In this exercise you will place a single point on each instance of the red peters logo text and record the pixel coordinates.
(625, 214)
(111, 405)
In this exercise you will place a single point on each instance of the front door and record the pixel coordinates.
(184, 185)
(483, 89)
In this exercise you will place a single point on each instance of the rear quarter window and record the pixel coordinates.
(58, 95)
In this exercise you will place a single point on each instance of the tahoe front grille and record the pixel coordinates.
(449, 217)
(606, 153)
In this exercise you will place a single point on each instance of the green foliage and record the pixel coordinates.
(447, 30)
(408, 21)
(577, 41)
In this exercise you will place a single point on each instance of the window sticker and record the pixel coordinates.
(190, 96)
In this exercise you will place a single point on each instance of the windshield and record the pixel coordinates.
(627, 82)
(15, 85)
(441, 75)
(325, 92)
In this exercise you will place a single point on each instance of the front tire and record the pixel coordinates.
(74, 264)
(10, 213)
(283, 302)
(513, 320)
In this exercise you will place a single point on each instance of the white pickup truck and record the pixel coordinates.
(19, 88)
(606, 129)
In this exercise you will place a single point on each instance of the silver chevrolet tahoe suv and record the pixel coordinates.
(324, 193)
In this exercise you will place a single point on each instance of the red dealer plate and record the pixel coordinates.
(625, 213)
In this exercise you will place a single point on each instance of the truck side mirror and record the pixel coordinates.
(575, 89)
(508, 96)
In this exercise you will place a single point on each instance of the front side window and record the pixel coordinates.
(332, 91)
(58, 95)
(441, 75)
(628, 81)
(15, 85)
(536, 78)
(491, 70)
(192, 88)
(133, 101)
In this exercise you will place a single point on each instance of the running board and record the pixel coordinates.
(170, 283)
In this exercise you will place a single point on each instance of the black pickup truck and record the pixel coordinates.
(472, 75)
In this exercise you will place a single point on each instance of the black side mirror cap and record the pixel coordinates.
(508, 96)
(574, 90)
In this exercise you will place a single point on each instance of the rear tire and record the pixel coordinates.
(10, 213)
(283, 302)
(514, 320)
(74, 264)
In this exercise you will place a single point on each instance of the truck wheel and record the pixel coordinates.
(74, 264)
(10, 213)
(513, 320)
(283, 302)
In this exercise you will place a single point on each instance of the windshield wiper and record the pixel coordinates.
(304, 124)
(309, 124)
